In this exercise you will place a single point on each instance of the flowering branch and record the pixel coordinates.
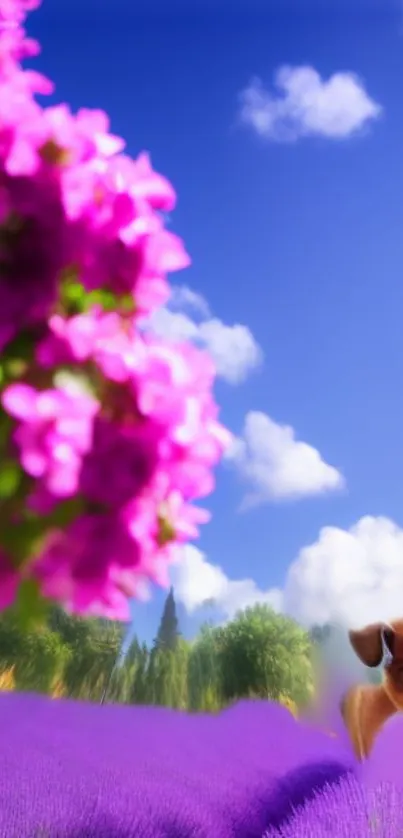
(107, 434)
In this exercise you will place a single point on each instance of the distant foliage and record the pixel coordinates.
(264, 653)
(168, 633)
(289, 704)
(258, 655)
(7, 680)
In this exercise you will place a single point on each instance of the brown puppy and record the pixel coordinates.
(365, 709)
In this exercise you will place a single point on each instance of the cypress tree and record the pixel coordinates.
(168, 632)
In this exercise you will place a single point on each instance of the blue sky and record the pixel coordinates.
(290, 204)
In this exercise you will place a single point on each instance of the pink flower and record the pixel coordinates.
(83, 137)
(143, 447)
(53, 433)
(14, 46)
(75, 566)
(68, 340)
(74, 339)
(15, 11)
(165, 383)
(173, 389)
(163, 253)
(31, 254)
(160, 517)
(120, 464)
(8, 582)
(96, 335)
(119, 241)
(132, 260)
(143, 182)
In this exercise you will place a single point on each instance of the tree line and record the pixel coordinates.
(258, 654)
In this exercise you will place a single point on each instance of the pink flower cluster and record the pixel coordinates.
(110, 432)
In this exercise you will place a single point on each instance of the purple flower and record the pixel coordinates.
(368, 803)
(76, 770)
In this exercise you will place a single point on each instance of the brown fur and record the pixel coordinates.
(365, 709)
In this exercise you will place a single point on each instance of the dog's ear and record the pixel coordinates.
(367, 644)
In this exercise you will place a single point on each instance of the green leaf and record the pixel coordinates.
(24, 542)
(127, 304)
(69, 276)
(19, 349)
(103, 297)
(72, 291)
(10, 478)
(65, 513)
(16, 367)
(5, 429)
(20, 541)
(31, 608)
(73, 296)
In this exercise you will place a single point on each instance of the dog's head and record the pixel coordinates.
(383, 642)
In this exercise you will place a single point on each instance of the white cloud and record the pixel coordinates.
(303, 104)
(349, 577)
(276, 465)
(173, 325)
(352, 577)
(184, 299)
(234, 349)
(198, 583)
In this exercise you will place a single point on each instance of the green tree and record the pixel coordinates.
(259, 653)
(119, 687)
(94, 646)
(264, 654)
(139, 692)
(38, 656)
(168, 632)
(176, 676)
(204, 679)
(166, 678)
(41, 662)
(133, 653)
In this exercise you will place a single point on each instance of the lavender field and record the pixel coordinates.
(345, 810)
(75, 769)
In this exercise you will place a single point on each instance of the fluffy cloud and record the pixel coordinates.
(198, 583)
(350, 577)
(184, 299)
(303, 104)
(234, 349)
(276, 465)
